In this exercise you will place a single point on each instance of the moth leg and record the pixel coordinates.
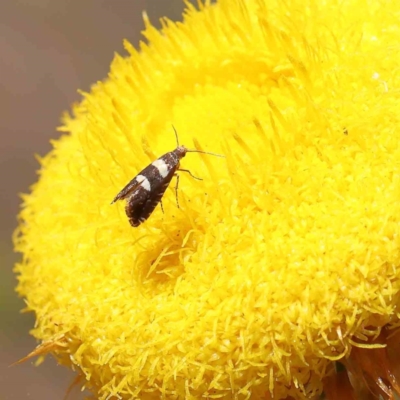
(176, 189)
(186, 170)
(162, 208)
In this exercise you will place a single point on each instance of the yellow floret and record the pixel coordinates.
(283, 257)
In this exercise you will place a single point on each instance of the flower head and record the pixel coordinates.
(280, 260)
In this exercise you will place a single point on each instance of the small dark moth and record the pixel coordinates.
(146, 189)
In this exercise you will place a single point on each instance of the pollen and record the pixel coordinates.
(280, 261)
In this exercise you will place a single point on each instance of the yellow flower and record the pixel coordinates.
(281, 260)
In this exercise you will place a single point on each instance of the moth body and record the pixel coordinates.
(146, 189)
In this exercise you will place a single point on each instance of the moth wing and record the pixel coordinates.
(140, 207)
(127, 190)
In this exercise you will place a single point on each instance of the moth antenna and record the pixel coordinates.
(204, 152)
(193, 150)
(176, 136)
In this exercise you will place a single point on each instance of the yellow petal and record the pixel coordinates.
(278, 261)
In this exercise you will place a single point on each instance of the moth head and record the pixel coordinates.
(181, 151)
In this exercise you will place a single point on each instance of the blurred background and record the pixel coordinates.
(48, 50)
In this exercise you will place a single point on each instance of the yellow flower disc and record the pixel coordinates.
(280, 259)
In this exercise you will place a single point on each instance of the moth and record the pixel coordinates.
(146, 189)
